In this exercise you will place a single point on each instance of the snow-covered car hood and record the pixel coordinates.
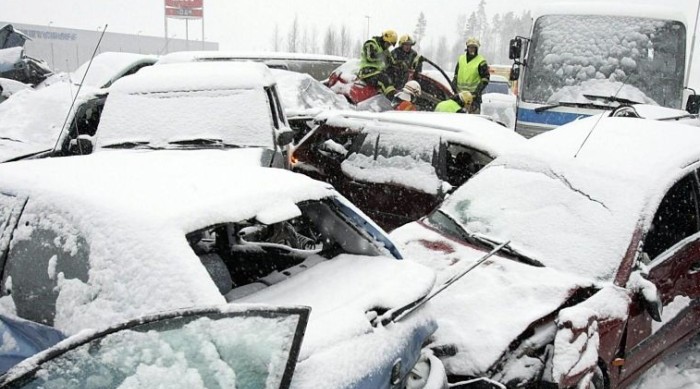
(340, 292)
(496, 302)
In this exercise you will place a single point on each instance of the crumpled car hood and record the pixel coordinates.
(487, 309)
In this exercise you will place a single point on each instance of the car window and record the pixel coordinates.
(245, 256)
(497, 87)
(46, 253)
(463, 162)
(273, 108)
(676, 218)
(256, 348)
(393, 157)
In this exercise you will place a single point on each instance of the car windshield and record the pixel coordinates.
(564, 223)
(639, 59)
(235, 117)
(247, 350)
(497, 87)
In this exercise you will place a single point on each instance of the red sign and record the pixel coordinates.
(184, 3)
(184, 13)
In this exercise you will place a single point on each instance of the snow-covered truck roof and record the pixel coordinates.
(190, 56)
(611, 8)
(467, 129)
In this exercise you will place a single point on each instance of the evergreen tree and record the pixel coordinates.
(421, 25)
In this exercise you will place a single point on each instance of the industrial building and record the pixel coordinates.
(64, 49)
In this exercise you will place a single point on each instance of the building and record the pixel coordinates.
(64, 49)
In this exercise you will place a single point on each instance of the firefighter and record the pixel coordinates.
(406, 98)
(459, 103)
(472, 73)
(374, 59)
(405, 60)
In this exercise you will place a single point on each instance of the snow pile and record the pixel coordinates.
(585, 52)
(302, 95)
(108, 66)
(680, 370)
(10, 87)
(9, 57)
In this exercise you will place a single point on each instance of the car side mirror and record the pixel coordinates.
(515, 49)
(651, 300)
(81, 146)
(284, 138)
(693, 104)
(515, 73)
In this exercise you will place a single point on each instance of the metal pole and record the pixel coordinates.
(202, 24)
(692, 46)
(138, 38)
(165, 22)
(187, 34)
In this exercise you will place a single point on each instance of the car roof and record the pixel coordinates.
(648, 154)
(190, 56)
(196, 76)
(471, 130)
(166, 186)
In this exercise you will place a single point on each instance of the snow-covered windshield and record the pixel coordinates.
(566, 221)
(576, 55)
(233, 116)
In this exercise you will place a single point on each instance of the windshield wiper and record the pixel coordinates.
(129, 145)
(203, 142)
(570, 104)
(509, 250)
(613, 99)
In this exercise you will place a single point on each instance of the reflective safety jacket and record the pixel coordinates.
(373, 57)
(450, 106)
(468, 75)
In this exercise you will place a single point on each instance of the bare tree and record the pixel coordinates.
(304, 42)
(293, 36)
(276, 39)
(313, 40)
(344, 41)
(330, 41)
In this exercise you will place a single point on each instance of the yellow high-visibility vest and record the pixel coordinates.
(468, 77)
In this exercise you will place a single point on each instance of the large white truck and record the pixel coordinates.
(586, 57)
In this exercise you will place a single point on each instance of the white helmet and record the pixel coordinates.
(412, 88)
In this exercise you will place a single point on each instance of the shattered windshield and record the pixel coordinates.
(564, 221)
(638, 59)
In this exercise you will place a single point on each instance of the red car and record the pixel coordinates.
(398, 166)
(600, 276)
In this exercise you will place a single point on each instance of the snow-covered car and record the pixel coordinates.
(220, 347)
(32, 120)
(499, 102)
(9, 87)
(600, 275)
(94, 240)
(185, 106)
(318, 66)
(398, 166)
(14, 63)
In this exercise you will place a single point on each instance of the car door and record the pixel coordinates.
(250, 347)
(393, 177)
(672, 245)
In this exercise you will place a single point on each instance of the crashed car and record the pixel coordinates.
(183, 106)
(16, 65)
(499, 102)
(32, 119)
(95, 240)
(398, 166)
(596, 273)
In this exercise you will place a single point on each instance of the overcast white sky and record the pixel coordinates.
(248, 24)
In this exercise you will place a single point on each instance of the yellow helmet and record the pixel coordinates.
(466, 98)
(473, 42)
(406, 39)
(390, 36)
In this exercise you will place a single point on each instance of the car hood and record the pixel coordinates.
(482, 313)
(340, 344)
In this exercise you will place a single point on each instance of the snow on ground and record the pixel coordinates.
(680, 370)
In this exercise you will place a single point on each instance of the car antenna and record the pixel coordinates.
(80, 86)
(599, 118)
(397, 315)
